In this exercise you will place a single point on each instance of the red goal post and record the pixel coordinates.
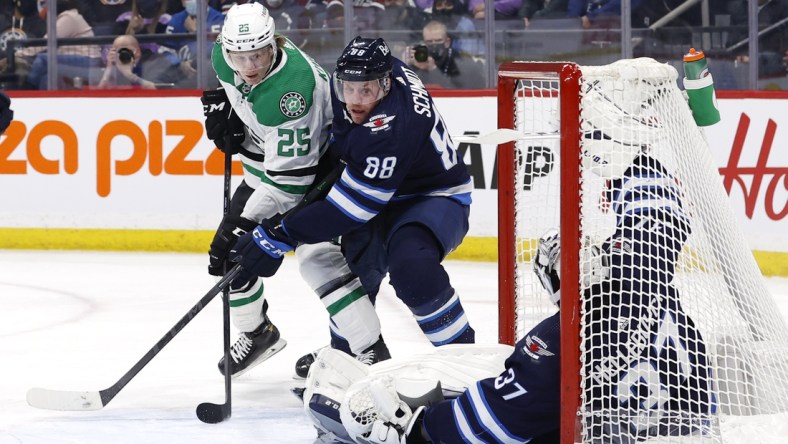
(567, 76)
(728, 329)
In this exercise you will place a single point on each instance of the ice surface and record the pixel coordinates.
(80, 320)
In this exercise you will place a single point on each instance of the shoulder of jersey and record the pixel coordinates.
(289, 93)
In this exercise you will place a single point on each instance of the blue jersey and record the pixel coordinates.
(177, 25)
(644, 356)
(187, 48)
(520, 405)
(402, 151)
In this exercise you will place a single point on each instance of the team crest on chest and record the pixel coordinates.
(292, 104)
(379, 122)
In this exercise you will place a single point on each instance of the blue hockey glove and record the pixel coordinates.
(260, 252)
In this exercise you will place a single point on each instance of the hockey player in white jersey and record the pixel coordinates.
(273, 110)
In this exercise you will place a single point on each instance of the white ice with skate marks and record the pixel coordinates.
(78, 321)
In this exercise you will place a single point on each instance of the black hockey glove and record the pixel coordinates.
(231, 228)
(260, 252)
(6, 114)
(222, 124)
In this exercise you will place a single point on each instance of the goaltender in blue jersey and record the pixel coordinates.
(402, 202)
(647, 371)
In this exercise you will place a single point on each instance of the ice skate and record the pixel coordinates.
(253, 348)
(375, 353)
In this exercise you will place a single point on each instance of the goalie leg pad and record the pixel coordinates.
(329, 378)
(456, 366)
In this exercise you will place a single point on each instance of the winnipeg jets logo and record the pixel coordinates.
(536, 348)
(292, 104)
(379, 122)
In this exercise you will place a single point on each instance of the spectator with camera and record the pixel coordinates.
(128, 65)
(437, 63)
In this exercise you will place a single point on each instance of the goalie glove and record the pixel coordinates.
(372, 412)
(594, 266)
(222, 124)
(547, 264)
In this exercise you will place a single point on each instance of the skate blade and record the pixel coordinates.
(274, 349)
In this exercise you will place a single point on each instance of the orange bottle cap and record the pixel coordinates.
(693, 55)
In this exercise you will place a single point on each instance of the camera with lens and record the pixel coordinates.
(421, 53)
(125, 55)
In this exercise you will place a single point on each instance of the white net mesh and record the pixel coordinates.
(680, 340)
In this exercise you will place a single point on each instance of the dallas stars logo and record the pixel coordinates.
(292, 104)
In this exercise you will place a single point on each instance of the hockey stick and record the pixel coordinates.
(86, 400)
(503, 135)
(95, 400)
(214, 413)
(209, 412)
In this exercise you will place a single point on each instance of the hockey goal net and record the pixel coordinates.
(684, 347)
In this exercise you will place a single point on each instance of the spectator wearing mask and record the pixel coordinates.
(452, 14)
(185, 22)
(437, 63)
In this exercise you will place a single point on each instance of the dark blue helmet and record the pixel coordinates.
(364, 59)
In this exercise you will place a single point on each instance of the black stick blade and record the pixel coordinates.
(211, 413)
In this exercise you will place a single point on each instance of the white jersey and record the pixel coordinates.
(287, 116)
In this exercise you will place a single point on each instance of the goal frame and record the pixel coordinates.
(686, 343)
(569, 77)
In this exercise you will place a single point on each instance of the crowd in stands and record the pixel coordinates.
(453, 31)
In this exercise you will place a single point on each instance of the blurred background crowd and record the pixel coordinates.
(453, 44)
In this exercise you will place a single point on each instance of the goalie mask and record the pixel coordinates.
(615, 128)
(247, 34)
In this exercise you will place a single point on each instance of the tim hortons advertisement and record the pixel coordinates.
(144, 163)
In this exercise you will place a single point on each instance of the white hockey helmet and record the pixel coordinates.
(248, 27)
(616, 127)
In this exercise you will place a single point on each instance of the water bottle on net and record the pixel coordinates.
(699, 86)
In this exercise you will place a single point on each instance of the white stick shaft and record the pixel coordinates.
(503, 135)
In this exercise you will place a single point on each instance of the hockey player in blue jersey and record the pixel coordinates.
(646, 368)
(402, 202)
